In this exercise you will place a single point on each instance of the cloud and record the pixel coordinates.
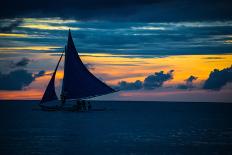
(129, 10)
(156, 80)
(21, 63)
(150, 82)
(39, 74)
(218, 78)
(188, 84)
(34, 48)
(182, 86)
(213, 58)
(191, 79)
(9, 25)
(148, 28)
(204, 37)
(47, 27)
(15, 80)
(123, 85)
(18, 79)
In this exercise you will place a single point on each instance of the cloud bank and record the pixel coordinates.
(9, 25)
(132, 38)
(120, 10)
(216, 81)
(22, 63)
(39, 74)
(218, 78)
(153, 81)
(156, 80)
(18, 79)
(15, 80)
(189, 83)
(123, 85)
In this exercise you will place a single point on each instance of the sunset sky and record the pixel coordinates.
(150, 50)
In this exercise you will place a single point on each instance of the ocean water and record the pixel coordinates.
(123, 128)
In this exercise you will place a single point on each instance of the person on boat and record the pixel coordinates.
(89, 105)
(63, 98)
(78, 105)
(84, 105)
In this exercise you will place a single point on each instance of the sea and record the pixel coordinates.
(117, 128)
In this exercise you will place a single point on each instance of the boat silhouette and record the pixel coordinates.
(78, 82)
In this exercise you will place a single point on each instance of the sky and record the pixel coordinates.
(149, 50)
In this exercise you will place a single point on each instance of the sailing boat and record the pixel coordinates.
(78, 82)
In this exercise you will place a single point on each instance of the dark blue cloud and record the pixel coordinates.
(18, 79)
(120, 10)
(15, 80)
(21, 63)
(153, 81)
(182, 86)
(133, 38)
(9, 25)
(188, 84)
(218, 78)
(170, 41)
(123, 85)
(39, 74)
(156, 80)
(191, 79)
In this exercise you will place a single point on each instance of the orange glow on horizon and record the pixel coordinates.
(30, 94)
(114, 68)
(132, 69)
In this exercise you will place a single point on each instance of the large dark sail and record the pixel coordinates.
(50, 93)
(78, 82)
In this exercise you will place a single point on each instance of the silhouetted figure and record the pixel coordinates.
(81, 106)
(84, 105)
(78, 105)
(62, 97)
(89, 106)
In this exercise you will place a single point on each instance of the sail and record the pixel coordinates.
(78, 82)
(50, 93)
